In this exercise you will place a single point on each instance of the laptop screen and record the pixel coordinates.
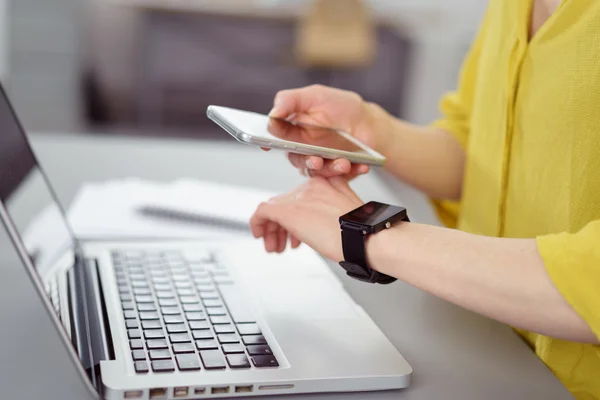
(28, 199)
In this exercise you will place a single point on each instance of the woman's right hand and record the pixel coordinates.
(332, 108)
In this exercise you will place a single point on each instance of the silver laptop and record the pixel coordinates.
(183, 319)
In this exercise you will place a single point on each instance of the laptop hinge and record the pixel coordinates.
(90, 326)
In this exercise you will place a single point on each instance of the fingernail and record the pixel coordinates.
(310, 164)
(337, 167)
(273, 112)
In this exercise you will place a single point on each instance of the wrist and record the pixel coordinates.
(383, 250)
(383, 129)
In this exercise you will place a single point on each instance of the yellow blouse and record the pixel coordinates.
(528, 116)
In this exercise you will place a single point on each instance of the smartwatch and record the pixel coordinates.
(356, 227)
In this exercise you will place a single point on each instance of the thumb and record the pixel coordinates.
(288, 102)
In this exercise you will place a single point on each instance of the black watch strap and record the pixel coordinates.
(355, 264)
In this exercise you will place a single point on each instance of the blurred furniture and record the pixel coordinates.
(192, 54)
(44, 71)
(455, 354)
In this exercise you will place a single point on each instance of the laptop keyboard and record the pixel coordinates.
(183, 312)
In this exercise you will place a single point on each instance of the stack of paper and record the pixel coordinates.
(182, 209)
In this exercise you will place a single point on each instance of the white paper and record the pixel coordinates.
(111, 209)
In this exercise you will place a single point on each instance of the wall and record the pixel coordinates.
(3, 40)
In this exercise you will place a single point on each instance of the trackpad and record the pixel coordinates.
(311, 298)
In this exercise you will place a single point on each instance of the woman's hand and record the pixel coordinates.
(330, 108)
(309, 214)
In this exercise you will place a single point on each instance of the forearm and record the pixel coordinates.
(503, 279)
(429, 159)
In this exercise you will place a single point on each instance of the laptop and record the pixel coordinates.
(182, 319)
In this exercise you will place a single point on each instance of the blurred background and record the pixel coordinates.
(150, 67)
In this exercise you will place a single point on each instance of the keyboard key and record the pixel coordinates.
(129, 314)
(216, 311)
(249, 329)
(203, 334)
(199, 325)
(185, 292)
(167, 302)
(165, 294)
(153, 324)
(147, 315)
(265, 361)
(233, 348)
(144, 299)
(131, 324)
(188, 362)
(157, 344)
(183, 348)
(169, 310)
(189, 300)
(207, 344)
(254, 340)
(195, 316)
(176, 328)
(138, 276)
(154, 334)
(212, 303)
(238, 361)
(126, 297)
(192, 307)
(123, 289)
(146, 307)
(138, 355)
(160, 355)
(224, 329)
(180, 338)
(134, 334)
(139, 284)
(259, 350)
(238, 308)
(181, 278)
(228, 338)
(136, 344)
(223, 280)
(163, 366)
(209, 295)
(219, 320)
(212, 359)
(174, 319)
(161, 283)
(141, 291)
(183, 285)
(141, 367)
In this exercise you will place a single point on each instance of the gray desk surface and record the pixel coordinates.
(455, 354)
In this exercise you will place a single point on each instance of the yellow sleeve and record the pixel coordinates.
(456, 109)
(573, 263)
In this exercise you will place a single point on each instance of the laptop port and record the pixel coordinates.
(180, 392)
(158, 393)
(134, 394)
(219, 390)
(199, 390)
(244, 389)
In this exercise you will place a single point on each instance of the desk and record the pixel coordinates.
(455, 354)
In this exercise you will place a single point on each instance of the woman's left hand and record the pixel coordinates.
(309, 214)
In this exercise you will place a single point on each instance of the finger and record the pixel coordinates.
(259, 222)
(265, 149)
(340, 167)
(300, 161)
(288, 102)
(271, 237)
(295, 242)
(360, 169)
(283, 236)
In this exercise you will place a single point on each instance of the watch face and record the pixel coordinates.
(372, 213)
